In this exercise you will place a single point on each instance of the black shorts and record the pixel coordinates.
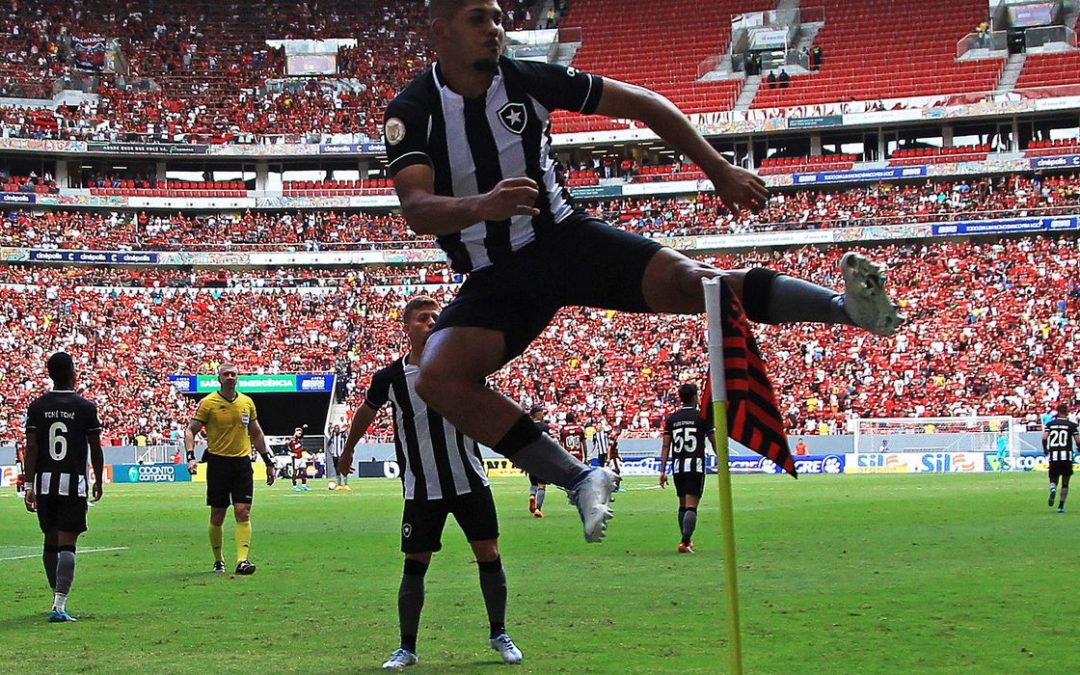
(63, 514)
(422, 521)
(687, 483)
(229, 480)
(579, 262)
(1060, 468)
(534, 481)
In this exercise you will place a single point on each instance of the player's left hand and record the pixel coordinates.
(29, 498)
(740, 189)
(97, 492)
(271, 474)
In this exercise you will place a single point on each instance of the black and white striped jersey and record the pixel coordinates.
(1060, 433)
(61, 421)
(688, 433)
(472, 144)
(437, 461)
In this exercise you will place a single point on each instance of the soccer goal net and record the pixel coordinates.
(936, 434)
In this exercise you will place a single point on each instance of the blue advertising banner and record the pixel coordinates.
(890, 173)
(353, 149)
(307, 383)
(94, 257)
(150, 473)
(805, 464)
(17, 198)
(314, 383)
(1056, 162)
(1054, 224)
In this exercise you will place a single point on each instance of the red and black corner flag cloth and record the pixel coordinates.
(753, 415)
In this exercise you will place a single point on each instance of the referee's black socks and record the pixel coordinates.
(539, 455)
(49, 556)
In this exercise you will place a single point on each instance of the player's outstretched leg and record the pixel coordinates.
(410, 605)
(591, 496)
(865, 299)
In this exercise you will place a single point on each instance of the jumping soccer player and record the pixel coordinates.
(537, 487)
(442, 474)
(232, 429)
(469, 149)
(684, 441)
(60, 427)
(1059, 440)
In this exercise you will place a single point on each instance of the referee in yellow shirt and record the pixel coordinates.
(232, 428)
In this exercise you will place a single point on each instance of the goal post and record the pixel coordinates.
(937, 434)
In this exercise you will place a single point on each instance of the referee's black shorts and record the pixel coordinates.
(689, 483)
(61, 514)
(422, 522)
(582, 261)
(229, 480)
(1059, 469)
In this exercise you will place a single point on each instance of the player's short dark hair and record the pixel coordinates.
(571, 417)
(688, 392)
(227, 365)
(444, 8)
(1063, 408)
(417, 303)
(535, 410)
(61, 367)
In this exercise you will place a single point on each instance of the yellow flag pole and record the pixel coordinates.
(718, 384)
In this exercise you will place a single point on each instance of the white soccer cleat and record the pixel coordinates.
(506, 648)
(400, 659)
(865, 299)
(591, 498)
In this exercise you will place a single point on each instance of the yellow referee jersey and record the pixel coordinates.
(227, 424)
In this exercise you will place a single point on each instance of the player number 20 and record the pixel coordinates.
(57, 443)
(1059, 438)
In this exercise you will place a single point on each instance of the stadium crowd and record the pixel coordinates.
(881, 204)
(202, 71)
(992, 330)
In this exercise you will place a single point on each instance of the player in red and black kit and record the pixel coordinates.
(299, 466)
(537, 487)
(572, 437)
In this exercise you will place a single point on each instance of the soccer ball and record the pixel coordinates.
(331, 485)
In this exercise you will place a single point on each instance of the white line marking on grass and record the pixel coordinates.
(81, 550)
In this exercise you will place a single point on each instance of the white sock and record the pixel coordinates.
(60, 601)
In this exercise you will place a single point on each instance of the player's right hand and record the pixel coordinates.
(97, 491)
(193, 467)
(29, 498)
(663, 480)
(511, 197)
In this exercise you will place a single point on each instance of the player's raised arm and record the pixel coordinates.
(737, 187)
(258, 441)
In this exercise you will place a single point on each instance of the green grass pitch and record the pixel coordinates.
(838, 574)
